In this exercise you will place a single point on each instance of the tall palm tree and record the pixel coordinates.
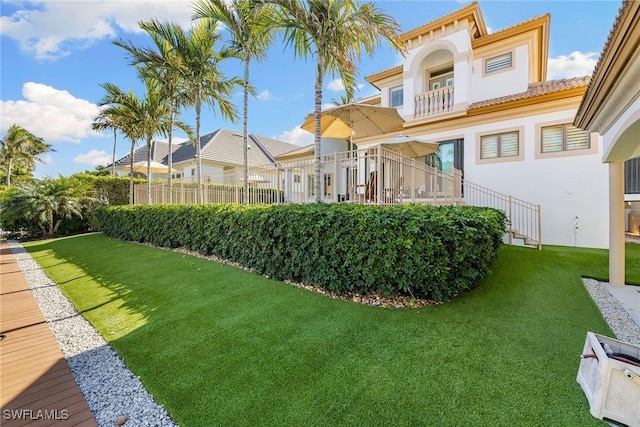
(195, 60)
(19, 145)
(108, 119)
(140, 118)
(159, 64)
(335, 32)
(124, 109)
(246, 21)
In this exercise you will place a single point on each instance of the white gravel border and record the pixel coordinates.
(613, 312)
(113, 392)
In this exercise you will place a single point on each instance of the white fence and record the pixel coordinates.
(368, 176)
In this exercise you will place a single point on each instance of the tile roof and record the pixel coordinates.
(159, 153)
(534, 90)
(307, 149)
(225, 146)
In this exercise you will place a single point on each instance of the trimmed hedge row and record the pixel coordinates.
(425, 251)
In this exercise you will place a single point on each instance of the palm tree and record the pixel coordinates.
(140, 118)
(195, 60)
(23, 147)
(335, 32)
(108, 119)
(246, 21)
(46, 203)
(160, 64)
(124, 109)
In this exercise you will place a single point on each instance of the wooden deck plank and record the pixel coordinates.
(35, 379)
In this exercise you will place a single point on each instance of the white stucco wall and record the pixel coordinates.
(564, 187)
(501, 83)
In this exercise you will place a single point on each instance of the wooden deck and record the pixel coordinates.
(36, 385)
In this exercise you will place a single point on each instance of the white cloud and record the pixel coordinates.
(52, 114)
(265, 95)
(575, 64)
(94, 158)
(336, 85)
(297, 136)
(51, 29)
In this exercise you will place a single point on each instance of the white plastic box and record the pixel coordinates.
(611, 386)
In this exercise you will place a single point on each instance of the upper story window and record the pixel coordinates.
(497, 63)
(564, 137)
(396, 96)
(500, 145)
(441, 78)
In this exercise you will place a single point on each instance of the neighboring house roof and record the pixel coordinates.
(159, 153)
(537, 89)
(299, 152)
(226, 146)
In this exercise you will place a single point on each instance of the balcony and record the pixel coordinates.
(433, 103)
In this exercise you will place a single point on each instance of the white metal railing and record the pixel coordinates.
(434, 102)
(367, 176)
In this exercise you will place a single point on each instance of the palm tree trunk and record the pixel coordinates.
(131, 174)
(316, 142)
(149, 139)
(198, 154)
(9, 166)
(170, 155)
(113, 158)
(245, 132)
(50, 218)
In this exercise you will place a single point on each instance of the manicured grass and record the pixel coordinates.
(220, 346)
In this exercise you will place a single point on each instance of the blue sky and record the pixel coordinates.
(55, 53)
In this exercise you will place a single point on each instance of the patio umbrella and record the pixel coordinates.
(355, 120)
(409, 146)
(156, 167)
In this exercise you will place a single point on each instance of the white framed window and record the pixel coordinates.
(193, 171)
(448, 81)
(497, 63)
(396, 96)
(435, 85)
(500, 145)
(296, 178)
(563, 137)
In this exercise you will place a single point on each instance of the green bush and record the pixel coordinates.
(424, 251)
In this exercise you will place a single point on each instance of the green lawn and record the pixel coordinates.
(220, 346)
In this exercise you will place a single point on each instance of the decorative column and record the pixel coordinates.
(616, 223)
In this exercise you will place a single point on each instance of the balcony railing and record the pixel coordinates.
(434, 102)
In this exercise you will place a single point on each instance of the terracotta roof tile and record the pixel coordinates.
(536, 89)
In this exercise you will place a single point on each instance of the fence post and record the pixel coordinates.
(539, 213)
(510, 221)
(379, 176)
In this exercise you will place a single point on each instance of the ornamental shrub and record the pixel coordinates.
(424, 251)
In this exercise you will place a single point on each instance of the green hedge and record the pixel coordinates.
(425, 251)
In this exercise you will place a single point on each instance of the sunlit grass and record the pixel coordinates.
(220, 346)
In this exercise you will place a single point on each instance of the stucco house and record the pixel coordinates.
(485, 100)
